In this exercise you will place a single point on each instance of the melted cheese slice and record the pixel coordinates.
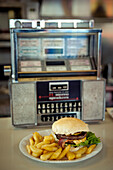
(78, 133)
(79, 141)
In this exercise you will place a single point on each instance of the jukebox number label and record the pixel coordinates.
(29, 51)
(29, 48)
(34, 52)
(80, 64)
(53, 48)
(77, 46)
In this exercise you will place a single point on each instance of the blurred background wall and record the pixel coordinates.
(99, 10)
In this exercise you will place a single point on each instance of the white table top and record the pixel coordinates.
(11, 157)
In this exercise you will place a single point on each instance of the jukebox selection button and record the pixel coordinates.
(54, 117)
(43, 111)
(61, 104)
(74, 105)
(61, 110)
(39, 107)
(66, 105)
(48, 111)
(79, 104)
(43, 106)
(57, 107)
(74, 109)
(66, 110)
(70, 109)
(39, 112)
(48, 105)
(52, 105)
(57, 117)
(70, 104)
(57, 110)
(79, 109)
(52, 110)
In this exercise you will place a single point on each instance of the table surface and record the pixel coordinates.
(11, 157)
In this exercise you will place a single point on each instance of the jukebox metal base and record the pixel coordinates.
(43, 102)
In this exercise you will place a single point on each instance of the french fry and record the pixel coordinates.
(81, 150)
(49, 138)
(78, 155)
(53, 144)
(49, 145)
(36, 150)
(40, 144)
(52, 139)
(70, 155)
(50, 148)
(64, 152)
(56, 154)
(90, 149)
(44, 151)
(28, 149)
(40, 137)
(36, 137)
(31, 141)
(46, 156)
(36, 154)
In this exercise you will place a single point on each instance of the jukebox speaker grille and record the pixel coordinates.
(93, 93)
(24, 104)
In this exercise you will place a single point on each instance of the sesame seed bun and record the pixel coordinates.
(69, 125)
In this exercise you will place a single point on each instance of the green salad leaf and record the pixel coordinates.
(90, 139)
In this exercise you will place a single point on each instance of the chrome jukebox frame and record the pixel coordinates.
(20, 26)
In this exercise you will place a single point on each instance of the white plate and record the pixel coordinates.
(25, 141)
(110, 112)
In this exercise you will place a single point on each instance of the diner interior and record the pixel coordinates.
(24, 117)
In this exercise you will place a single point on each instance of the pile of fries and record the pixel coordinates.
(45, 148)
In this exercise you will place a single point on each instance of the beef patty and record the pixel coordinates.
(72, 137)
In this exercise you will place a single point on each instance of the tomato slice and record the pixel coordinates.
(62, 142)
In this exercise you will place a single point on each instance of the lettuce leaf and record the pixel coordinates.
(90, 140)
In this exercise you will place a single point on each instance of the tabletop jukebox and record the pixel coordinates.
(55, 71)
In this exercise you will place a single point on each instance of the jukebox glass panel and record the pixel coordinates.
(57, 51)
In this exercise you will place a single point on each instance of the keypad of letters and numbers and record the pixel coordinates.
(53, 111)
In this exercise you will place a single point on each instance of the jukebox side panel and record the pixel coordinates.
(23, 104)
(93, 100)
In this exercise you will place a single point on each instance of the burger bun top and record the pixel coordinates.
(69, 125)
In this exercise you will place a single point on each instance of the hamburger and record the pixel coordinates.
(73, 131)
